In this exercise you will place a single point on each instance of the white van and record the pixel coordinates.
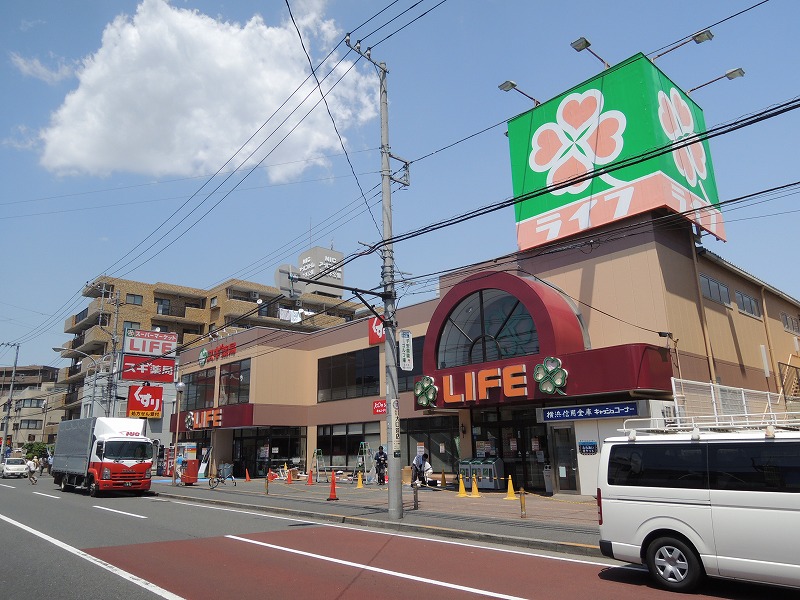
(717, 503)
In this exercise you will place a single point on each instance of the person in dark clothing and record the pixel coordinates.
(381, 462)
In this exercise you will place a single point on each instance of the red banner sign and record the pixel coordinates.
(142, 368)
(379, 407)
(145, 401)
(377, 335)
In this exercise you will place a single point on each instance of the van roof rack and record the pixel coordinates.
(737, 422)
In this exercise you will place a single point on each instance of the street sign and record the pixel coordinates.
(145, 401)
(406, 351)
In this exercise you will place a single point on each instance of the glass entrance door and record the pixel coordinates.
(565, 463)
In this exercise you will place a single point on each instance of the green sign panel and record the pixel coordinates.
(624, 112)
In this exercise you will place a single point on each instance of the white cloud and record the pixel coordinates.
(175, 92)
(33, 67)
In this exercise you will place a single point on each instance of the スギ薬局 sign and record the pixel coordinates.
(617, 116)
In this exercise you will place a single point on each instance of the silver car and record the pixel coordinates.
(15, 467)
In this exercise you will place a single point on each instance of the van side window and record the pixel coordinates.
(659, 465)
(755, 466)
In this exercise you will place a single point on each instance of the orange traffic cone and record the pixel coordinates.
(271, 476)
(246, 475)
(289, 476)
(310, 480)
(333, 488)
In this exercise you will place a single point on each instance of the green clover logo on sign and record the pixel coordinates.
(550, 376)
(425, 392)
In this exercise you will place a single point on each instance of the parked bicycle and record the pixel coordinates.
(224, 473)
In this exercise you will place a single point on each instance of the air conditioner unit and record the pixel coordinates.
(298, 303)
(253, 295)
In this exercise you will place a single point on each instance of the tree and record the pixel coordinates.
(35, 449)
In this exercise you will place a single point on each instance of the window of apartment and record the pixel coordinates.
(130, 325)
(199, 391)
(160, 328)
(405, 379)
(30, 424)
(748, 304)
(33, 403)
(162, 306)
(213, 301)
(714, 290)
(264, 309)
(790, 323)
(350, 375)
(133, 299)
(234, 383)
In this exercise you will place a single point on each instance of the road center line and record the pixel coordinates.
(347, 563)
(152, 587)
(12, 487)
(119, 512)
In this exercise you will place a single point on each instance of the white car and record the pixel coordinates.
(15, 467)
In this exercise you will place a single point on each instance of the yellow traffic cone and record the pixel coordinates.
(462, 493)
(510, 495)
(360, 481)
(474, 493)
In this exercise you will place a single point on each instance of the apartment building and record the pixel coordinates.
(35, 409)
(117, 305)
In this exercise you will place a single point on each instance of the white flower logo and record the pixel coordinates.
(677, 122)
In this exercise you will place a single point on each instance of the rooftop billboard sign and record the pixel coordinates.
(611, 119)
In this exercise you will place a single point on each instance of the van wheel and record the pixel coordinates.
(673, 564)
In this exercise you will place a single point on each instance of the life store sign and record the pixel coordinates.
(149, 343)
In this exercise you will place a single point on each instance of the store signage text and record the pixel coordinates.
(143, 368)
(149, 343)
(221, 351)
(377, 335)
(511, 380)
(205, 419)
(613, 410)
(379, 407)
(145, 401)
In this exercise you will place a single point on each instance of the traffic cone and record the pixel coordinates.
(360, 481)
(510, 495)
(462, 493)
(333, 488)
(475, 493)
(271, 476)
(246, 475)
(289, 476)
(310, 480)
(444, 480)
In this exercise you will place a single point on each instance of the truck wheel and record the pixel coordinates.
(63, 484)
(94, 489)
(673, 564)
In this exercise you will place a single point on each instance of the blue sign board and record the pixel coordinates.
(613, 410)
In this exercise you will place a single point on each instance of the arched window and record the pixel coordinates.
(487, 325)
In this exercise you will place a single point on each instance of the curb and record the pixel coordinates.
(397, 526)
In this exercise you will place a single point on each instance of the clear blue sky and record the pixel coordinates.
(115, 113)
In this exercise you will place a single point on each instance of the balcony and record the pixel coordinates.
(177, 314)
(86, 318)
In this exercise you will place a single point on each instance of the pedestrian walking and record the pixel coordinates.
(32, 471)
(49, 463)
(42, 463)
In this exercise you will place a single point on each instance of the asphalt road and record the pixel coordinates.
(68, 545)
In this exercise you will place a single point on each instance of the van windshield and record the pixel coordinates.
(128, 450)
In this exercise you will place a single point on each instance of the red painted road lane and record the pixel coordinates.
(236, 568)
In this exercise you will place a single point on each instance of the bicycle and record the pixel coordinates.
(224, 473)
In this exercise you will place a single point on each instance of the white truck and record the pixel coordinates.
(102, 454)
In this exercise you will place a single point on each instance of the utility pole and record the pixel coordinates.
(111, 382)
(387, 278)
(7, 417)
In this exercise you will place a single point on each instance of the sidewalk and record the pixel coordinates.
(560, 523)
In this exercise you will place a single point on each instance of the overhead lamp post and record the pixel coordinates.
(179, 387)
(509, 85)
(732, 74)
(697, 38)
(94, 379)
(583, 44)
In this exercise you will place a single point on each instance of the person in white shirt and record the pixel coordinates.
(421, 469)
(32, 471)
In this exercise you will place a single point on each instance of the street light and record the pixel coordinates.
(179, 387)
(583, 44)
(94, 379)
(732, 74)
(697, 38)
(509, 85)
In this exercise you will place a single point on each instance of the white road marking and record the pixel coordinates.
(119, 512)
(579, 561)
(13, 487)
(47, 495)
(363, 567)
(152, 587)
